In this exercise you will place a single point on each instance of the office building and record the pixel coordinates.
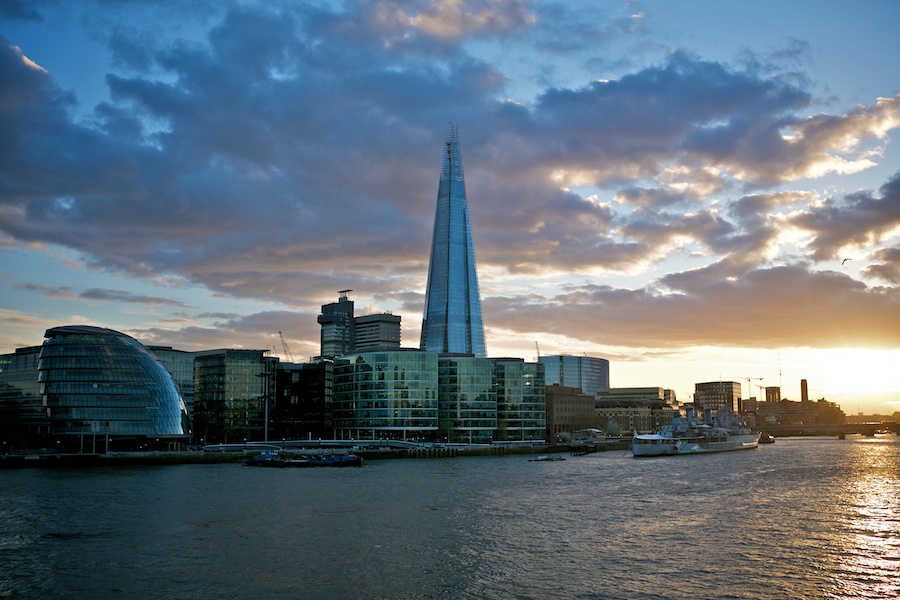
(344, 333)
(386, 395)
(337, 332)
(568, 411)
(301, 402)
(713, 396)
(180, 365)
(521, 400)
(586, 373)
(452, 321)
(632, 393)
(380, 331)
(99, 382)
(467, 401)
(23, 418)
(231, 391)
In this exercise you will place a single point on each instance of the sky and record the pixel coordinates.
(694, 190)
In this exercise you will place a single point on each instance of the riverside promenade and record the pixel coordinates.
(238, 453)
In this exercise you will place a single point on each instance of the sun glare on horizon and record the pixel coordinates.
(860, 370)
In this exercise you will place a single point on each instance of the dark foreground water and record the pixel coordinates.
(803, 518)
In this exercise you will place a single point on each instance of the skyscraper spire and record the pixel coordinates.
(452, 321)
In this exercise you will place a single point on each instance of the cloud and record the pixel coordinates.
(98, 294)
(50, 291)
(291, 150)
(854, 220)
(888, 267)
(257, 331)
(128, 297)
(768, 307)
(471, 18)
(19, 9)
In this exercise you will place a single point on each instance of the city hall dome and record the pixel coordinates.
(102, 382)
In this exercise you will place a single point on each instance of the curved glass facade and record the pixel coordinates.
(99, 381)
(452, 319)
(386, 395)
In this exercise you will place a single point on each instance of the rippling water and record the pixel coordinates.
(803, 518)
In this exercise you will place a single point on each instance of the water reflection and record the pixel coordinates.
(869, 553)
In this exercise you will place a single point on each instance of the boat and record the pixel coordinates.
(726, 433)
(546, 458)
(272, 459)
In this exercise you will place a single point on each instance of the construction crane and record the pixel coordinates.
(284, 346)
(750, 385)
(538, 349)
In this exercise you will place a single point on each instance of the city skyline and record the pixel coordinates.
(695, 191)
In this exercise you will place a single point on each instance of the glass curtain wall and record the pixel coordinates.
(521, 400)
(386, 395)
(231, 395)
(468, 401)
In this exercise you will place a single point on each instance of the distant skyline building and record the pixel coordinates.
(378, 331)
(452, 320)
(337, 332)
(343, 333)
(716, 396)
(587, 373)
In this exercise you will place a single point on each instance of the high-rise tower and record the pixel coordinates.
(452, 321)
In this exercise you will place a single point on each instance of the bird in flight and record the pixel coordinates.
(845, 260)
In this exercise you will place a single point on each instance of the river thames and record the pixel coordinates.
(801, 518)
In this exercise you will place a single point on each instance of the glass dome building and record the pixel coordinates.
(102, 382)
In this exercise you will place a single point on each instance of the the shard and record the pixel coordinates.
(452, 321)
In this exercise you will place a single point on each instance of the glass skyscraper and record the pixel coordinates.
(452, 320)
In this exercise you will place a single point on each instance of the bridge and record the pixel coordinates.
(867, 429)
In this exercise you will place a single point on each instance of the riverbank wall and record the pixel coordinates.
(124, 459)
